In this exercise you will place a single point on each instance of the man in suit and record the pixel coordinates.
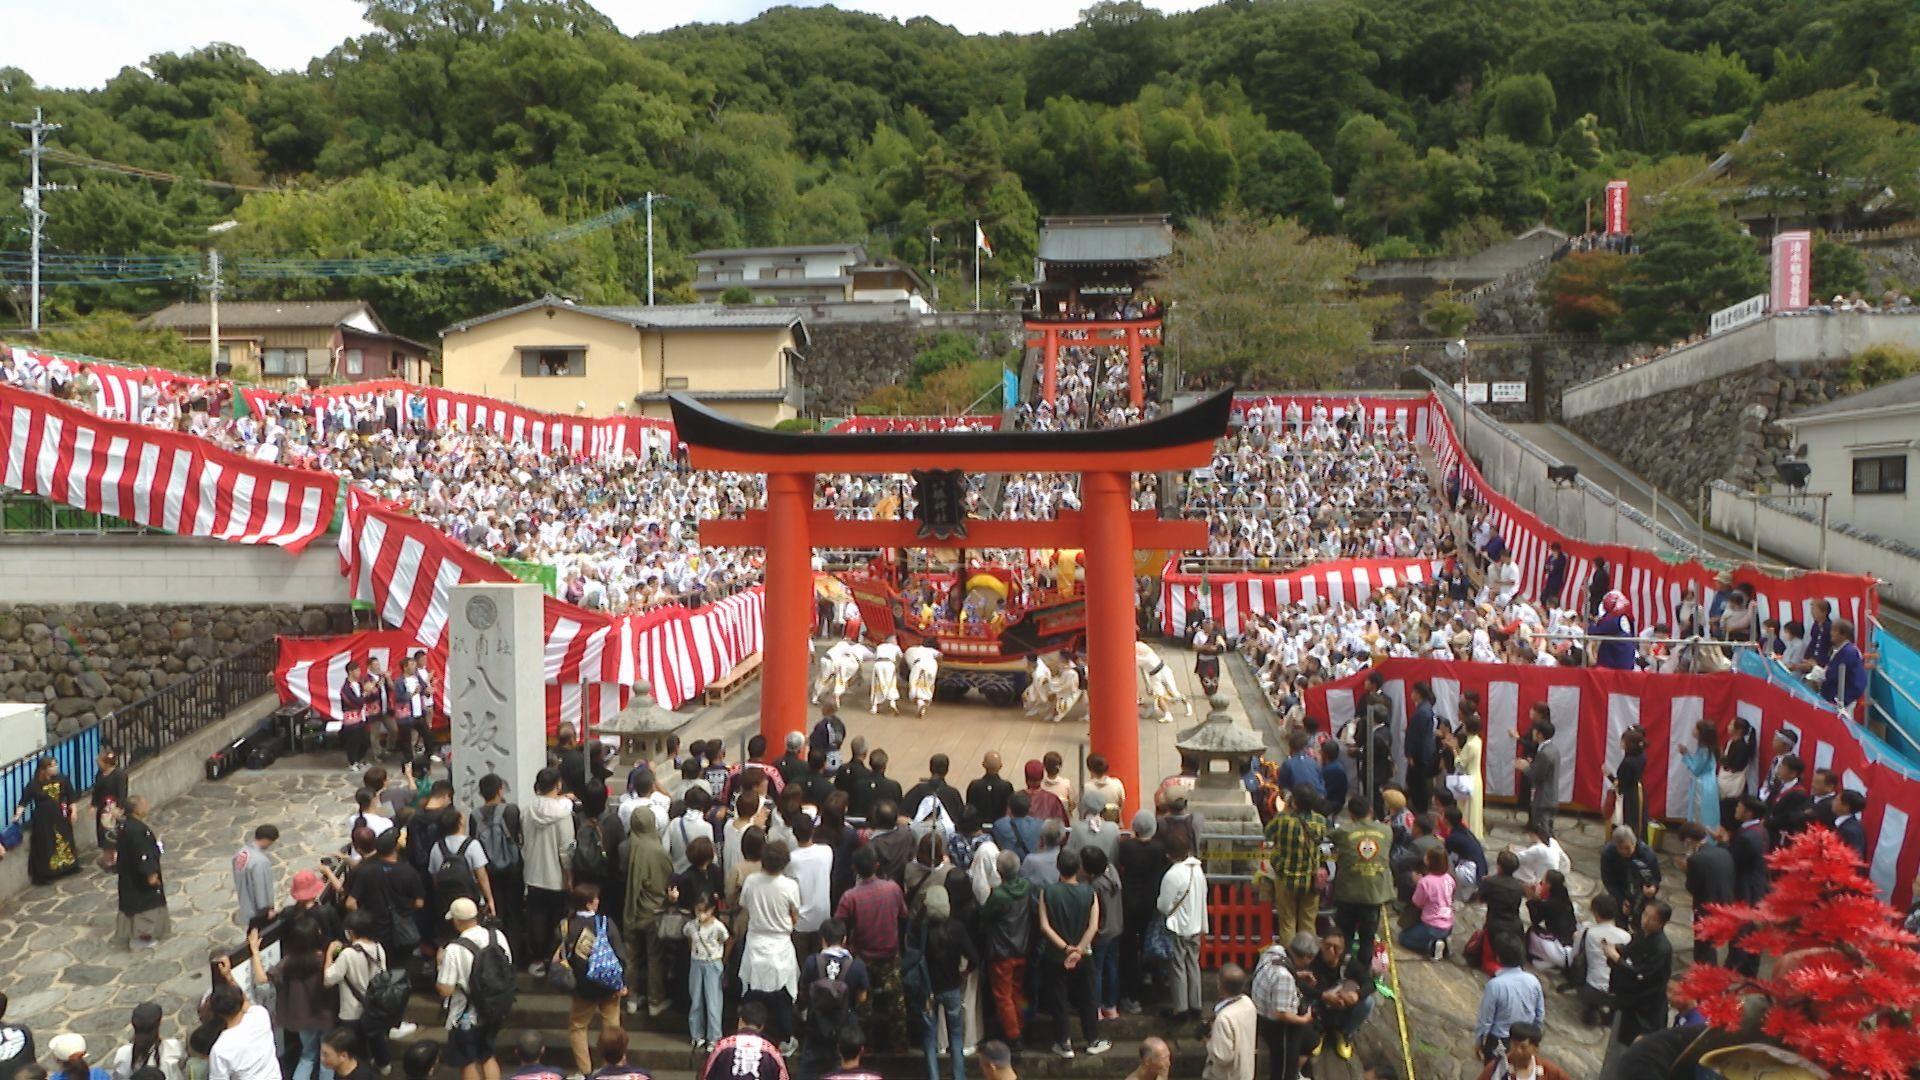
(1640, 974)
(1543, 776)
(1789, 807)
(1422, 751)
(1784, 742)
(1556, 579)
(1750, 882)
(1826, 785)
(1710, 880)
(1853, 831)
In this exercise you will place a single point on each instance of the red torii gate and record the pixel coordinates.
(1132, 334)
(1107, 530)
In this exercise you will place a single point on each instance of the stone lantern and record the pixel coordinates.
(1222, 747)
(642, 727)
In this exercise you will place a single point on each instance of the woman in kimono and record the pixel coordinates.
(50, 852)
(1703, 765)
(1629, 782)
(1466, 763)
(109, 801)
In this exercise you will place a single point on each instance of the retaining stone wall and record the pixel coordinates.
(1723, 429)
(86, 660)
(848, 361)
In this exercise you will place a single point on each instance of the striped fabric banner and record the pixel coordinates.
(1230, 598)
(312, 670)
(160, 479)
(1651, 584)
(407, 569)
(579, 436)
(1591, 707)
(1407, 415)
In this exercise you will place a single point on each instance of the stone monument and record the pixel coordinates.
(496, 692)
(642, 727)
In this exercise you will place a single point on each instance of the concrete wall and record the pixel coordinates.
(1790, 531)
(1781, 339)
(166, 570)
(162, 778)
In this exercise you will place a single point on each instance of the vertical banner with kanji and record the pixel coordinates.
(1792, 270)
(1616, 208)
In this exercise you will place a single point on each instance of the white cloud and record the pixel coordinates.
(86, 42)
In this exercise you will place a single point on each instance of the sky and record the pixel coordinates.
(83, 43)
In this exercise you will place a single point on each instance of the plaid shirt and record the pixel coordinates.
(1295, 840)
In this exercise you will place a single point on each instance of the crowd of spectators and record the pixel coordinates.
(1285, 490)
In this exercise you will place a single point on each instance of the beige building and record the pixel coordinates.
(559, 356)
(1861, 448)
(321, 341)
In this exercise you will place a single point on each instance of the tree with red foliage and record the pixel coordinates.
(1845, 981)
(1579, 292)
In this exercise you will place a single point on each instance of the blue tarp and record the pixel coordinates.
(1896, 665)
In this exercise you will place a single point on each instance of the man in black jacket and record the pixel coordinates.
(1848, 806)
(1750, 881)
(990, 793)
(1709, 867)
(1640, 974)
(935, 784)
(1629, 871)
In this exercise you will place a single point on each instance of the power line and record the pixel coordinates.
(82, 161)
(30, 198)
(117, 269)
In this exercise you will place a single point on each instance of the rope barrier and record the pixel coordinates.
(1393, 978)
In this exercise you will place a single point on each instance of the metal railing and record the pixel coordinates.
(166, 716)
(76, 755)
(31, 515)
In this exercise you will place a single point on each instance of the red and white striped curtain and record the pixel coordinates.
(160, 479)
(1592, 707)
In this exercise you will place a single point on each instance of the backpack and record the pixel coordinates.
(600, 968)
(915, 979)
(423, 831)
(1577, 960)
(497, 833)
(590, 852)
(455, 877)
(490, 986)
(828, 1001)
(385, 999)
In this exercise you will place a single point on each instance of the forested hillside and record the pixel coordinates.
(1404, 125)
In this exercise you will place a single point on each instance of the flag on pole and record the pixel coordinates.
(980, 240)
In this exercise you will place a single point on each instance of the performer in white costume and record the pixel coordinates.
(885, 685)
(838, 667)
(923, 670)
(1039, 690)
(1065, 689)
(1160, 685)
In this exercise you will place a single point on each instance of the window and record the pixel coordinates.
(1880, 475)
(283, 362)
(553, 363)
(676, 382)
(356, 362)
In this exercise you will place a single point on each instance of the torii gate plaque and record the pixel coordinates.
(1106, 529)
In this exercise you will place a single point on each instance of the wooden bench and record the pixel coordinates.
(734, 681)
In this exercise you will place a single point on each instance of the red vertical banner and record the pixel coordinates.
(1617, 208)
(1792, 270)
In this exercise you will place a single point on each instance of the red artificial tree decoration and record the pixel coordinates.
(1845, 981)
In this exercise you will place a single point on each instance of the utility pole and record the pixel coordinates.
(30, 198)
(213, 311)
(650, 197)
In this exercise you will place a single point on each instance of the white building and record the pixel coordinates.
(1861, 448)
(807, 274)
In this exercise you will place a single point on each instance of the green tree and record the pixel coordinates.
(1838, 270)
(113, 335)
(1286, 178)
(1383, 179)
(1580, 292)
(1521, 107)
(1829, 154)
(1693, 261)
(1266, 305)
(1446, 315)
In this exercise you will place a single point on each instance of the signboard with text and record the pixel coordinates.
(1616, 203)
(1792, 270)
(1476, 392)
(1509, 392)
(1749, 310)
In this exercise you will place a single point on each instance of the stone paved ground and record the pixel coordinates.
(61, 972)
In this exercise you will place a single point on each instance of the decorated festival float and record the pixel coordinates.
(990, 617)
